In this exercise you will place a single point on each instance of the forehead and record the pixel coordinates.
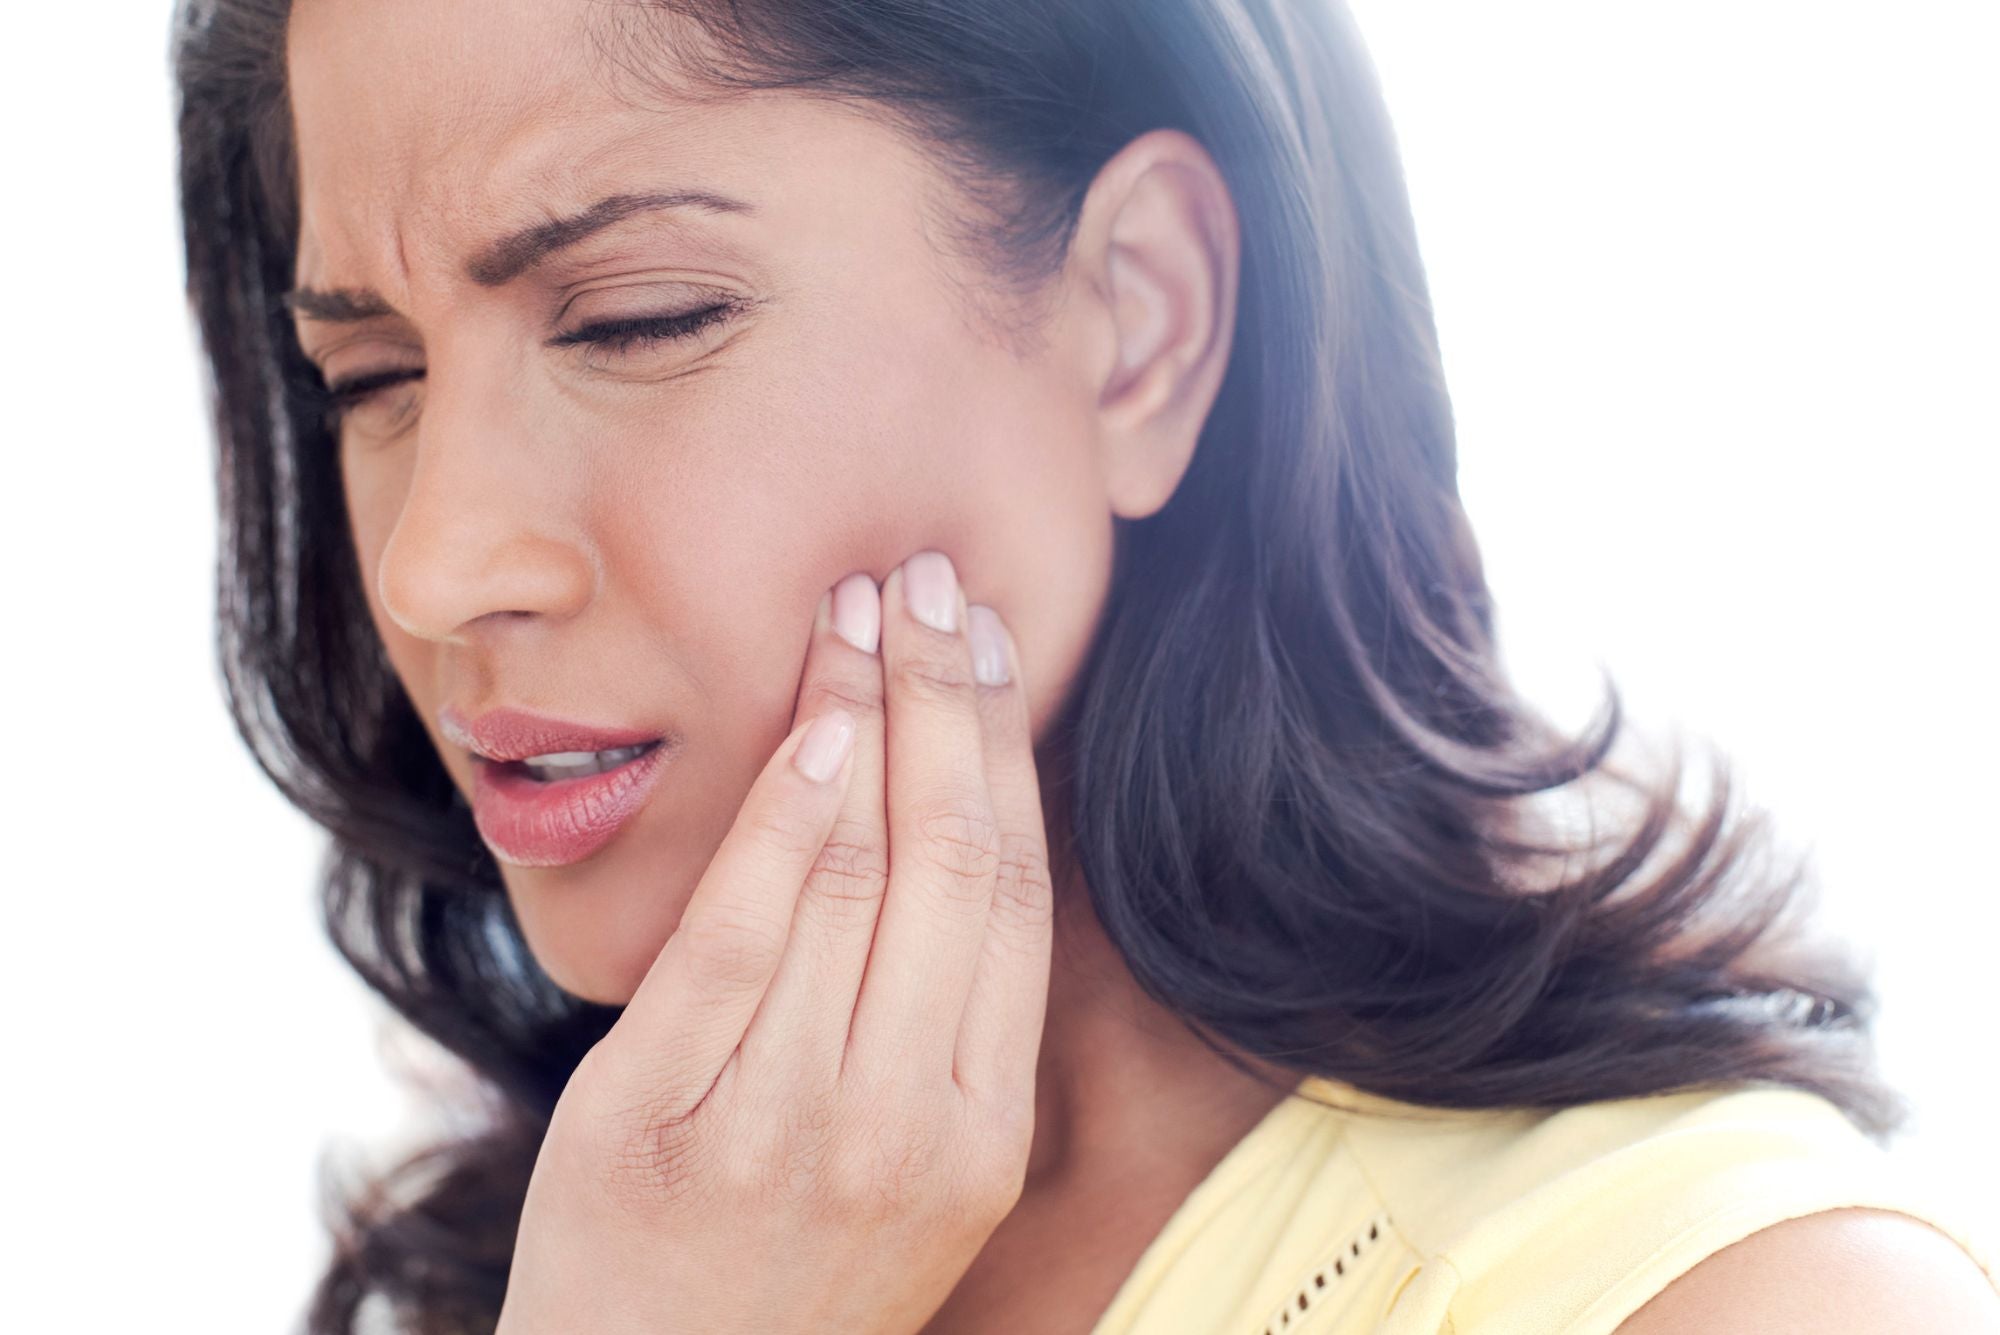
(409, 98)
(426, 127)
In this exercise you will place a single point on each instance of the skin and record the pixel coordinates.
(1869, 1271)
(641, 537)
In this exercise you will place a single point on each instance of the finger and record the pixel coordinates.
(1000, 1035)
(690, 1011)
(943, 845)
(800, 1032)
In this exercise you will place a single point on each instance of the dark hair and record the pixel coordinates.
(1300, 789)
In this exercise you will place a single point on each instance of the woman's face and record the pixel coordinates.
(638, 536)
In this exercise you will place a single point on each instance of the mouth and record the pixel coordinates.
(555, 809)
(565, 766)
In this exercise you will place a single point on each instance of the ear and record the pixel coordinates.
(1157, 250)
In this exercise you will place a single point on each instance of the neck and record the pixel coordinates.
(1120, 1074)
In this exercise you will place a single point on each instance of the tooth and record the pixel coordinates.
(580, 764)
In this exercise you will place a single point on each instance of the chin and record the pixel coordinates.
(595, 948)
(596, 926)
(601, 978)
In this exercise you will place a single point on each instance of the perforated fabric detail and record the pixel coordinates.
(1325, 1280)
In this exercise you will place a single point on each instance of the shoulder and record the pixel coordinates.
(1870, 1271)
(1683, 1207)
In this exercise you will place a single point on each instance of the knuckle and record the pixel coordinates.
(852, 867)
(731, 948)
(651, 1160)
(859, 698)
(792, 1165)
(936, 678)
(1023, 893)
(996, 1183)
(961, 841)
(1013, 1135)
(900, 1170)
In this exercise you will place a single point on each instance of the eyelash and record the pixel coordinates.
(618, 335)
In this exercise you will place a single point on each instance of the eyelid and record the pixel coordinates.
(616, 333)
(318, 359)
(368, 381)
(618, 330)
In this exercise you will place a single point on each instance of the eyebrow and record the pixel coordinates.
(504, 260)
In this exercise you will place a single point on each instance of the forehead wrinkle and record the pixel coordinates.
(485, 156)
(572, 194)
(500, 161)
(423, 154)
(444, 205)
(521, 251)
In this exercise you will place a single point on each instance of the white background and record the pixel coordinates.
(1717, 292)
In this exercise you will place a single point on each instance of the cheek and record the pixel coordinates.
(854, 453)
(726, 508)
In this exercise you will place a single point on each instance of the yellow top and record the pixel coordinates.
(1399, 1219)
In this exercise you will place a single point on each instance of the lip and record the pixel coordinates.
(516, 734)
(534, 824)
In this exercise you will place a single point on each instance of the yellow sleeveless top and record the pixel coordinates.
(1401, 1219)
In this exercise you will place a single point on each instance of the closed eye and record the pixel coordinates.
(619, 336)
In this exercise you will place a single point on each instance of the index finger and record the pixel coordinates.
(693, 1007)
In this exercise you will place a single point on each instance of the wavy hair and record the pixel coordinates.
(1310, 810)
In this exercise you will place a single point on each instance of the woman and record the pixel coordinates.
(981, 474)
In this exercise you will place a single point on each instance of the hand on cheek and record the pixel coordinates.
(830, 1067)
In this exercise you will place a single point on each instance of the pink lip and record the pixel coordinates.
(535, 824)
(515, 734)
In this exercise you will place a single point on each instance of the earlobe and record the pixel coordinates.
(1162, 229)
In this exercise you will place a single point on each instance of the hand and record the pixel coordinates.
(804, 1120)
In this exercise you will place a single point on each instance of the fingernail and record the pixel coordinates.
(930, 588)
(825, 745)
(989, 645)
(857, 611)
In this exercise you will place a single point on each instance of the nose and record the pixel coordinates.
(482, 535)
